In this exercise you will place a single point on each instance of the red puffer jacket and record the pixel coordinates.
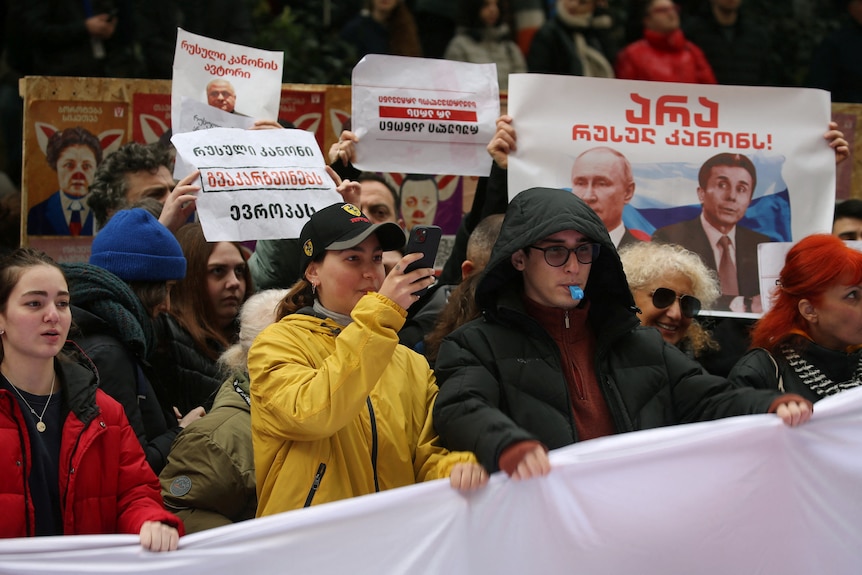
(106, 485)
(664, 58)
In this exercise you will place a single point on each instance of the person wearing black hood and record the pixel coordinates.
(559, 356)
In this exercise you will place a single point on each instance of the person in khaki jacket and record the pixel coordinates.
(338, 408)
(209, 479)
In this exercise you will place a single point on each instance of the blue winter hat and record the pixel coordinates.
(134, 246)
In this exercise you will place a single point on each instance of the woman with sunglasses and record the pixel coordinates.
(809, 341)
(671, 285)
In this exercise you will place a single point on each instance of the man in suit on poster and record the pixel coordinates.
(726, 183)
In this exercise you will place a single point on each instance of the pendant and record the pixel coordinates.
(40, 427)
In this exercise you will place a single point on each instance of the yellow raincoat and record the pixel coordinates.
(338, 412)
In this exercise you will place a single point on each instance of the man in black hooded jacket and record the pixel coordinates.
(559, 355)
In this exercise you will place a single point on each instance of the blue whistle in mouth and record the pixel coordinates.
(577, 292)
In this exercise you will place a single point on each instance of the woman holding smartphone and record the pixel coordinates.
(339, 408)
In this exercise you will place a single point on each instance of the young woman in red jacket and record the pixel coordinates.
(69, 461)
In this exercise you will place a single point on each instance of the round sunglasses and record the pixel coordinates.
(664, 297)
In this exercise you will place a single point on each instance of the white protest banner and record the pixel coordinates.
(424, 116)
(256, 184)
(735, 496)
(234, 78)
(771, 139)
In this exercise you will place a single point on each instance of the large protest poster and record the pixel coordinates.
(232, 78)
(63, 149)
(751, 162)
(256, 184)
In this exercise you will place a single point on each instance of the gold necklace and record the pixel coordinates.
(40, 425)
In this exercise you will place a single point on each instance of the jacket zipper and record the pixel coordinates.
(321, 469)
(373, 443)
(575, 372)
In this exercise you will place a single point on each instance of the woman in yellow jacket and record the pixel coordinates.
(338, 407)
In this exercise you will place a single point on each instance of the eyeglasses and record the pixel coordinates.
(557, 256)
(688, 304)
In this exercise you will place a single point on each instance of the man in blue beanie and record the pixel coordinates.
(135, 247)
(134, 262)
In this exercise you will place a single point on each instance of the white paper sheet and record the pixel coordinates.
(424, 116)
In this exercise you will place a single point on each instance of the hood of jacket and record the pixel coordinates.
(79, 387)
(110, 299)
(308, 318)
(537, 213)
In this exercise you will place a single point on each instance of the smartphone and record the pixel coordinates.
(424, 240)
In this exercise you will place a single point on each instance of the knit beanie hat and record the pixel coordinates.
(134, 246)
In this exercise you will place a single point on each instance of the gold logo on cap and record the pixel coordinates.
(308, 248)
(351, 209)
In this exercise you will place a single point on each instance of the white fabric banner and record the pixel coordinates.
(424, 116)
(256, 184)
(740, 495)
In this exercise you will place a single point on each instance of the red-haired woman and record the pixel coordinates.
(202, 318)
(809, 341)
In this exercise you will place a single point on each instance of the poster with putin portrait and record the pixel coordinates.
(716, 169)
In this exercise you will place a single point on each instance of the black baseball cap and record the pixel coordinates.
(342, 226)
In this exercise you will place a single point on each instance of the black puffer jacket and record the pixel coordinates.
(113, 330)
(126, 377)
(190, 377)
(500, 376)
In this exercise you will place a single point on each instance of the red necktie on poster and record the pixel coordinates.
(727, 269)
(75, 223)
